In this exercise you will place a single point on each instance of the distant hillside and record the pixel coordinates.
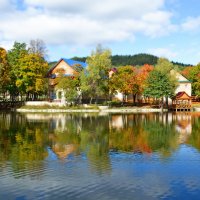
(51, 64)
(82, 59)
(121, 60)
(138, 59)
(182, 65)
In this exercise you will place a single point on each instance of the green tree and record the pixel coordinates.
(160, 82)
(194, 76)
(70, 84)
(164, 65)
(70, 87)
(159, 85)
(14, 55)
(94, 81)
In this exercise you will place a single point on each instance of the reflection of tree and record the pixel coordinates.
(8, 127)
(28, 150)
(131, 137)
(144, 133)
(125, 141)
(95, 142)
(161, 137)
(24, 142)
(84, 133)
(21, 142)
(194, 138)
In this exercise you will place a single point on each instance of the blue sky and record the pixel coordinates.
(167, 28)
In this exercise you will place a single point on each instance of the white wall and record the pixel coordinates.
(184, 87)
(184, 84)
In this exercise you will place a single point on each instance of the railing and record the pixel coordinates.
(181, 107)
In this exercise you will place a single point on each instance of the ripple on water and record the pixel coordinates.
(114, 176)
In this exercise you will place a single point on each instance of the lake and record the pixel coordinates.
(99, 156)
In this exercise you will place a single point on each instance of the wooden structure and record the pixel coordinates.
(181, 102)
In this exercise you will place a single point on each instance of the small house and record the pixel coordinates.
(68, 67)
(181, 101)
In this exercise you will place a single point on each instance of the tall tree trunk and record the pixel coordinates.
(96, 99)
(134, 98)
(162, 104)
(167, 102)
(91, 100)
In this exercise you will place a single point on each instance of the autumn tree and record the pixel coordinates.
(140, 80)
(4, 72)
(27, 71)
(129, 80)
(124, 81)
(186, 72)
(31, 79)
(94, 81)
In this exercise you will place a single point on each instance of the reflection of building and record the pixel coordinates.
(183, 127)
(63, 150)
(117, 121)
(56, 121)
(183, 123)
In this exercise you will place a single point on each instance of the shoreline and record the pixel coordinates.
(100, 110)
(110, 110)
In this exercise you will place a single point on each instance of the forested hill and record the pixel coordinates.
(122, 60)
(138, 59)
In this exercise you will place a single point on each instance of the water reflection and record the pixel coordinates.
(73, 156)
(30, 137)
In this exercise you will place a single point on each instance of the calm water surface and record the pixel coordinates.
(90, 156)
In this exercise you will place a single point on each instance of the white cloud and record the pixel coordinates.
(163, 52)
(191, 24)
(84, 22)
(96, 8)
(6, 6)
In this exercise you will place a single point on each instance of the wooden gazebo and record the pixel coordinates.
(182, 102)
